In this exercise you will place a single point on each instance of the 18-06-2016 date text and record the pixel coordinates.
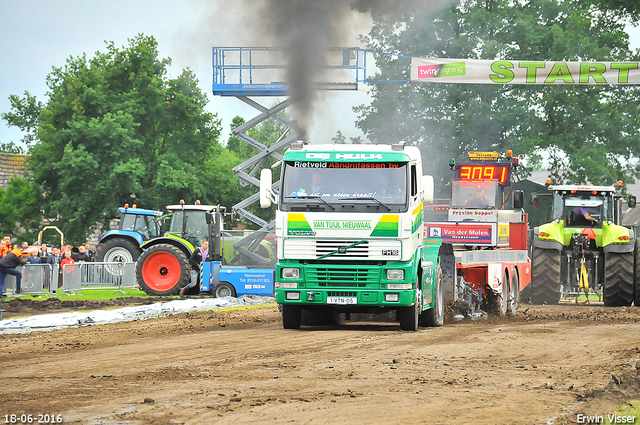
(40, 418)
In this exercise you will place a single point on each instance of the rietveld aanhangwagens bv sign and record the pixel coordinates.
(523, 72)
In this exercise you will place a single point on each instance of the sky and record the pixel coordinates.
(37, 35)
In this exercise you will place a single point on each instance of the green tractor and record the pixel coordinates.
(585, 244)
(163, 267)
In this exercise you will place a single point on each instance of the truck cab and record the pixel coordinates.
(349, 227)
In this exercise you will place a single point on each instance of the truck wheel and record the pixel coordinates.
(434, 317)
(224, 289)
(637, 272)
(408, 317)
(545, 276)
(163, 270)
(118, 251)
(514, 294)
(291, 316)
(618, 279)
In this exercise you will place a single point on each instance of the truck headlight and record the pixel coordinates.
(288, 285)
(290, 273)
(394, 274)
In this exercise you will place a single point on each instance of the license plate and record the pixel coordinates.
(342, 300)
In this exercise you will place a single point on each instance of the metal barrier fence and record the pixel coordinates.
(79, 276)
(37, 279)
(45, 279)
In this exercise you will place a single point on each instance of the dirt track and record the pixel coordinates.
(241, 367)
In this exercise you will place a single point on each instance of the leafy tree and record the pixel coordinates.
(11, 148)
(25, 115)
(341, 139)
(589, 133)
(21, 205)
(629, 8)
(116, 129)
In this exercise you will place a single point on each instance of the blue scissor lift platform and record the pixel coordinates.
(245, 72)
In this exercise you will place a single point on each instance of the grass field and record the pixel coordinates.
(92, 294)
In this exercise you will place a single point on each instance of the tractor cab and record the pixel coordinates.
(144, 222)
(190, 222)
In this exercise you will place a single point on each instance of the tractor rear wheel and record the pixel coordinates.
(118, 251)
(618, 279)
(545, 276)
(163, 270)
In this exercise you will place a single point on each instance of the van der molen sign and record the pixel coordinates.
(469, 71)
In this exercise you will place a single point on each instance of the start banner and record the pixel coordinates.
(472, 71)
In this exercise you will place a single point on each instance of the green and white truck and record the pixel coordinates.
(349, 225)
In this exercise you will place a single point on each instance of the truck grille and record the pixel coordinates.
(350, 277)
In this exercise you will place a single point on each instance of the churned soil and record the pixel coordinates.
(545, 365)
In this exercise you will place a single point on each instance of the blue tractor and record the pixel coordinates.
(137, 225)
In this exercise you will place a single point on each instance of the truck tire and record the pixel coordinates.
(434, 317)
(408, 317)
(545, 276)
(118, 250)
(224, 289)
(514, 294)
(291, 316)
(618, 279)
(636, 254)
(163, 270)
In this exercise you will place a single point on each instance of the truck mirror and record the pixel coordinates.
(518, 199)
(427, 189)
(632, 201)
(208, 218)
(266, 180)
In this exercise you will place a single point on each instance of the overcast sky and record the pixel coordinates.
(36, 35)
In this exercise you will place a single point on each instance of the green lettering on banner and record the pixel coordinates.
(592, 70)
(623, 74)
(560, 71)
(531, 70)
(502, 73)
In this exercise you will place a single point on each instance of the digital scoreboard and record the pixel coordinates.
(485, 171)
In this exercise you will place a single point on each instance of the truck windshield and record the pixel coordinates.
(344, 186)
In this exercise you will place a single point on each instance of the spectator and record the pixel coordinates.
(90, 253)
(44, 252)
(54, 258)
(34, 258)
(81, 256)
(4, 248)
(8, 265)
(199, 255)
(67, 260)
(25, 249)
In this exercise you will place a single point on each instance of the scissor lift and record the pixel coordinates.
(245, 72)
